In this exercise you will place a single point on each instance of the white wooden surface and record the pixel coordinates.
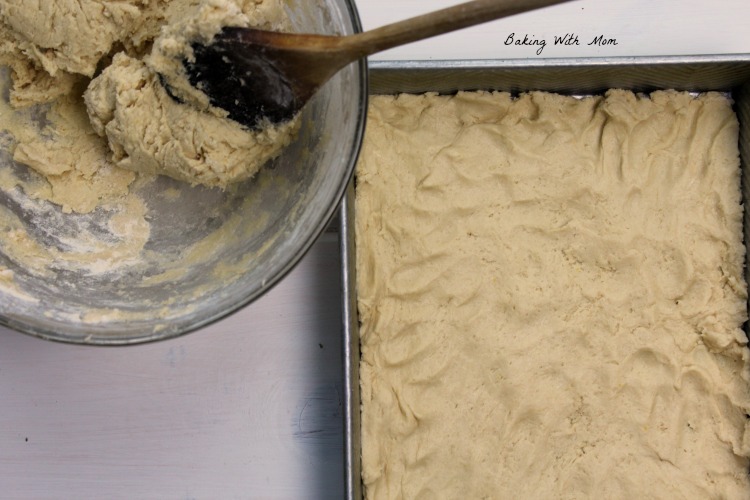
(250, 407)
(641, 27)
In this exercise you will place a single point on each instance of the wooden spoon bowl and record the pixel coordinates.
(260, 76)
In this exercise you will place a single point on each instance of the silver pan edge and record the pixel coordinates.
(726, 73)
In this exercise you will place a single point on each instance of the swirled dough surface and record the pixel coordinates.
(551, 297)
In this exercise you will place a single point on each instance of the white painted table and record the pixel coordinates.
(251, 407)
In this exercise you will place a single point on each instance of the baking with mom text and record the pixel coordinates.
(568, 39)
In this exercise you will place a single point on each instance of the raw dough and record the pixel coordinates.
(53, 46)
(551, 298)
(68, 154)
(47, 42)
(149, 131)
(52, 49)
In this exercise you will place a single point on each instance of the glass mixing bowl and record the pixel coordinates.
(209, 252)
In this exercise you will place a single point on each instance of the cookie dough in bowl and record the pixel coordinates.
(129, 214)
(155, 121)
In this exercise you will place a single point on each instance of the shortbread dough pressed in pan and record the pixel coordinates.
(551, 297)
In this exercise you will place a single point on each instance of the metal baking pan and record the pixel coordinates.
(725, 73)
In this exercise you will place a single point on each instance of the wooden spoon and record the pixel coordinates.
(256, 75)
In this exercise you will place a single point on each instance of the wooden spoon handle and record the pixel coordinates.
(438, 23)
